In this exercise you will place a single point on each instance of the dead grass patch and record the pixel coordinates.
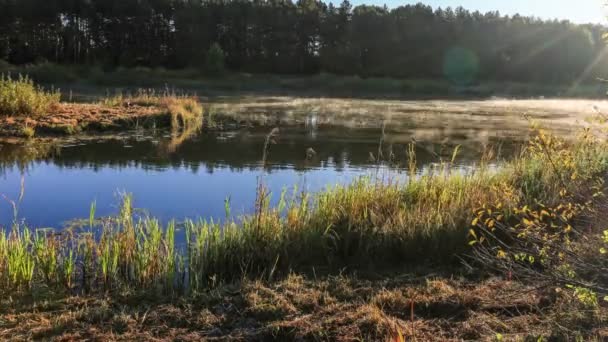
(329, 309)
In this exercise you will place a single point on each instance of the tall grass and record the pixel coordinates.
(185, 111)
(371, 222)
(20, 97)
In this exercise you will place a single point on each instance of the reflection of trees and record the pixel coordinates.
(238, 151)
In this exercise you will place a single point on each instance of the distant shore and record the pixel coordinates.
(90, 82)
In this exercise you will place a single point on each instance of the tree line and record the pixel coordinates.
(303, 37)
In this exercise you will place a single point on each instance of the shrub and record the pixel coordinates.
(554, 240)
(20, 97)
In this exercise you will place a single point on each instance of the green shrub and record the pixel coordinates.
(20, 97)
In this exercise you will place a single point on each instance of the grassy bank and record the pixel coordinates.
(90, 79)
(28, 110)
(272, 275)
(378, 223)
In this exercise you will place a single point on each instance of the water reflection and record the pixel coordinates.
(176, 176)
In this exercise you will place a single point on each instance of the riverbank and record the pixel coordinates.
(115, 113)
(70, 118)
(272, 275)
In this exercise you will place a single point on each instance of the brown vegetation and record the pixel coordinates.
(69, 118)
(339, 308)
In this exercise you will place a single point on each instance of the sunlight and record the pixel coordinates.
(587, 72)
(544, 46)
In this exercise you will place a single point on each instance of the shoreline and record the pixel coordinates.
(72, 118)
(109, 115)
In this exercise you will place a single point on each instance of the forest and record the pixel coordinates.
(303, 37)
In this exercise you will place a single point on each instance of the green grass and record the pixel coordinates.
(20, 97)
(368, 223)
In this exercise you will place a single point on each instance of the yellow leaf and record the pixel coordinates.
(473, 234)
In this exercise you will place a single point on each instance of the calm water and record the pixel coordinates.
(192, 176)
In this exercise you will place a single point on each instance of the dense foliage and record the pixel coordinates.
(309, 36)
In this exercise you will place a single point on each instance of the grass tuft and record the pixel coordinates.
(185, 111)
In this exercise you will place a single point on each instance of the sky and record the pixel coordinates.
(578, 11)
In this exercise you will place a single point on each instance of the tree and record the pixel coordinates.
(302, 36)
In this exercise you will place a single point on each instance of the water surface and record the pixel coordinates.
(192, 176)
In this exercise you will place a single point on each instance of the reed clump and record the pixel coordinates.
(20, 97)
(184, 110)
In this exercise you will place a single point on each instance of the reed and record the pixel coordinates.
(185, 110)
(20, 261)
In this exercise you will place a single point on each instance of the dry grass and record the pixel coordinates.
(185, 111)
(115, 113)
(329, 309)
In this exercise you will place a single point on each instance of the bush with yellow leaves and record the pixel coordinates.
(555, 239)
